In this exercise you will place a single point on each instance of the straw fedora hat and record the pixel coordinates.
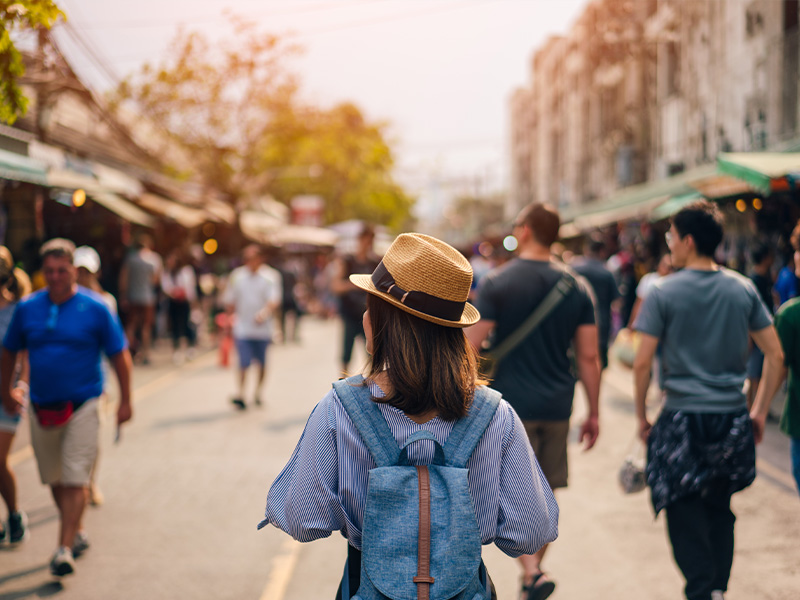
(426, 278)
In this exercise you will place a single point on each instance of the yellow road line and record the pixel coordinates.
(283, 567)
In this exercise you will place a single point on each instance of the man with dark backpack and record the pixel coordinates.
(539, 312)
(418, 464)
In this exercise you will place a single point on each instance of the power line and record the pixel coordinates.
(153, 23)
(463, 4)
(94, 55)
(91, 51)
(386, 19)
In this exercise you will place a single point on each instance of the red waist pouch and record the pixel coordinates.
(54, 415)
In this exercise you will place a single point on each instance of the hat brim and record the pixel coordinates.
(470, 316)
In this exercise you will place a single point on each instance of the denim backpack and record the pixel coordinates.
(420, 537)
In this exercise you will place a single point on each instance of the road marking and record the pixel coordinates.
(139, 394)
(283, 567)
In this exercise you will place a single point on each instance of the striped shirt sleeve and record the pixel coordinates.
(323, 487)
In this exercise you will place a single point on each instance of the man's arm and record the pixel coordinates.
(642, 365)
(774, 371)
(476, 334)
(8, 361)
(122, 366)
(587, 357)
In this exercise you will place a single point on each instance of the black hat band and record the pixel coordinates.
(449, 310)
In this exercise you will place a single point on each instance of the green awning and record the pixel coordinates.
(18, 167)
(765, 171)
(636, 201)
(674, 204)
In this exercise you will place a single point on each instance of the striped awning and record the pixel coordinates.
(765, 172)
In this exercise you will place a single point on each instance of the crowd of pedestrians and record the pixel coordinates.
(705, 332)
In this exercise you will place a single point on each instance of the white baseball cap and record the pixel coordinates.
(88, 258)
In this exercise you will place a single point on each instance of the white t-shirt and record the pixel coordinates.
(646, 284)
(249, 293)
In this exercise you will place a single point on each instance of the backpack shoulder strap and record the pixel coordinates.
(368, 419)
(468, 431)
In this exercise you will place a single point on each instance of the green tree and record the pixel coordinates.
(235, 108)
(350, 164)
(17, 16)
(217, 101)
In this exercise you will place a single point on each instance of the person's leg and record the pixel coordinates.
(260, 356)
(795, 450)
(717, 500)
(71, 502)
(243, 350)
(8, 482)
(688, 529)
(148, 320)
(79, 457)
(549, 443)
(131, 325)
(173, 317)
(351, 329)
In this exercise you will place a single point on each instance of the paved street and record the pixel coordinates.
(186, 485)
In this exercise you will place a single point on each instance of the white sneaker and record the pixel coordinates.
(717, 595)
(62, 562)
(80, 544)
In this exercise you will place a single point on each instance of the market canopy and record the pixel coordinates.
(122, 208)
(186, 216)
(674, 204)
(267, 229)
(636, 201)
(765, 172)
(18, 167)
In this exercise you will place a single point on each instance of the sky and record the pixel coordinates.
(440, 72)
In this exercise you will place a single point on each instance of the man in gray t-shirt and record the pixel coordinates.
(701, 449)
(138, 278)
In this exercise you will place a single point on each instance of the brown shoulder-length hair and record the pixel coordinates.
(429, 366)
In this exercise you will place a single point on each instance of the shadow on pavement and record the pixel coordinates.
(194, 419)
(43, 590)
(51, 588)
(277, 426)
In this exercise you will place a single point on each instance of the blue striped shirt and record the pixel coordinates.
(323, 487)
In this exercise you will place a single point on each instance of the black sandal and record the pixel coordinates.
(539, 590)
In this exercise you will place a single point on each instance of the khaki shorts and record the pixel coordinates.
(66, 454)
(549, 442)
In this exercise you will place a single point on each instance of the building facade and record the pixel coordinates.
(638, 92)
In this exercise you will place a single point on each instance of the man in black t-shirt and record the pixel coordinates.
(536, 377)
(592, 267)
(352, 300)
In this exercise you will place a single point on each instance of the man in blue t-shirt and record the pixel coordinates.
(701, 450)
(65, 330)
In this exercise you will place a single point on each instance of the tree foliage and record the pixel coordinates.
(17, 16)
(235, 107)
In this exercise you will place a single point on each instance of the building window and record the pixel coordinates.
(673, 71)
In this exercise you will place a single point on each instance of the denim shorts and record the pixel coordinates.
(250, 350)
(8, 423)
